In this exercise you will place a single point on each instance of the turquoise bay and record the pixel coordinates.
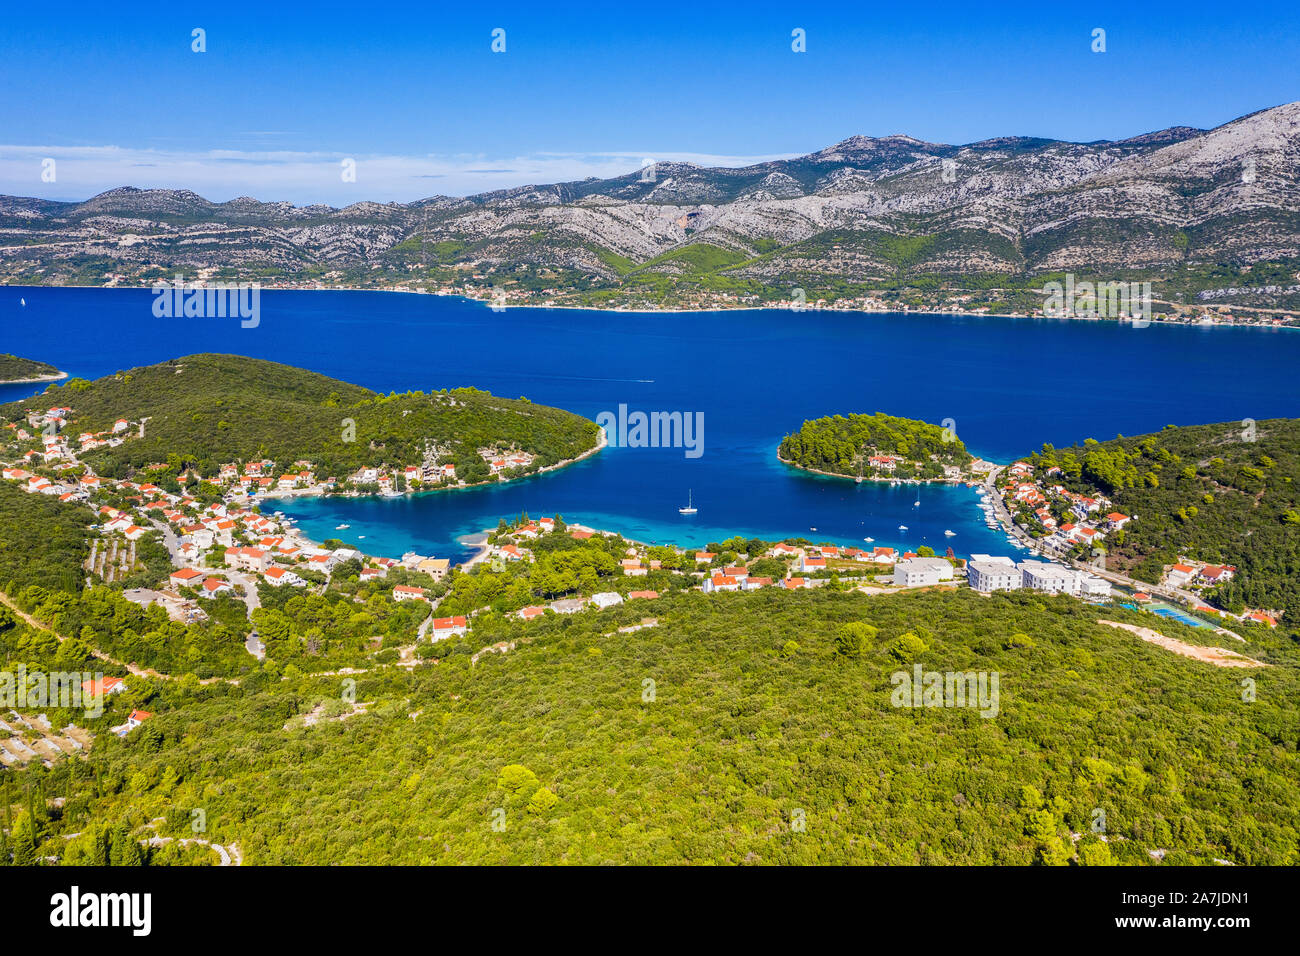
(1009, 384)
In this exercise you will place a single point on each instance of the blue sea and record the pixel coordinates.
(1008, 384)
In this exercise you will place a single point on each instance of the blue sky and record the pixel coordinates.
(415, 95)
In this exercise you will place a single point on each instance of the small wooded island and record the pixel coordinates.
(15, 370)
(878, 447)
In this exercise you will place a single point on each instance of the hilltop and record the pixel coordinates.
(1211, 216)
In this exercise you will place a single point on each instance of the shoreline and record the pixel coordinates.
(969, 482)
(726, 308)
(60, 376)
(601, 443)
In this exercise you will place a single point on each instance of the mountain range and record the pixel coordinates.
(1210, 215)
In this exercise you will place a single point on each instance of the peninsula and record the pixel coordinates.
(17, 371)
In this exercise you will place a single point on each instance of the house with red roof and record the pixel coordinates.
(1213, 574)
(720, 582)
(250, 559)
(101, 686)
(278, 577)
(184, 577)
(444, 627)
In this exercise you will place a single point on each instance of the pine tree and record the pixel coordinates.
(24, 842)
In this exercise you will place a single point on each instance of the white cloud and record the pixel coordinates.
(305, 177)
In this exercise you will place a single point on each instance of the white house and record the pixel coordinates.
(214, 586)
(720, 582)
(444, 627)
(1049, 578)
(184, 577)
(606, 599)
(278, 576)
(921, 572)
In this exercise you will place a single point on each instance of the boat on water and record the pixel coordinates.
(342, 527)
(950, 534)
(868, 540)
(916, 504)
(690, 508)
(902, 527)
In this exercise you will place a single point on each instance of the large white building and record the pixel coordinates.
(994, 576)
(1054, 579)
(1050, 578)
(921, 572)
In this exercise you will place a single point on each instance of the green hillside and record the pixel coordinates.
(210, 409)
(742, 729)
(841, 444)
(1226, 493)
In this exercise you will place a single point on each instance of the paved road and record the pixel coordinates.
(252, 600)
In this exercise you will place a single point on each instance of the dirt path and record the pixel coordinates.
(139, 671)
(1217, 656)
(135, 669)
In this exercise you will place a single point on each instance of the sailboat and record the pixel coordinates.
(23, 303)
(690, 508)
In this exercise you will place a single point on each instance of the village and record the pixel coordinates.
(224, 538)
(1071, 525)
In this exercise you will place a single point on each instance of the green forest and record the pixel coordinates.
(206, 410)
(1226, 493)
(43, 541)
(743, 729)
(841, 444)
